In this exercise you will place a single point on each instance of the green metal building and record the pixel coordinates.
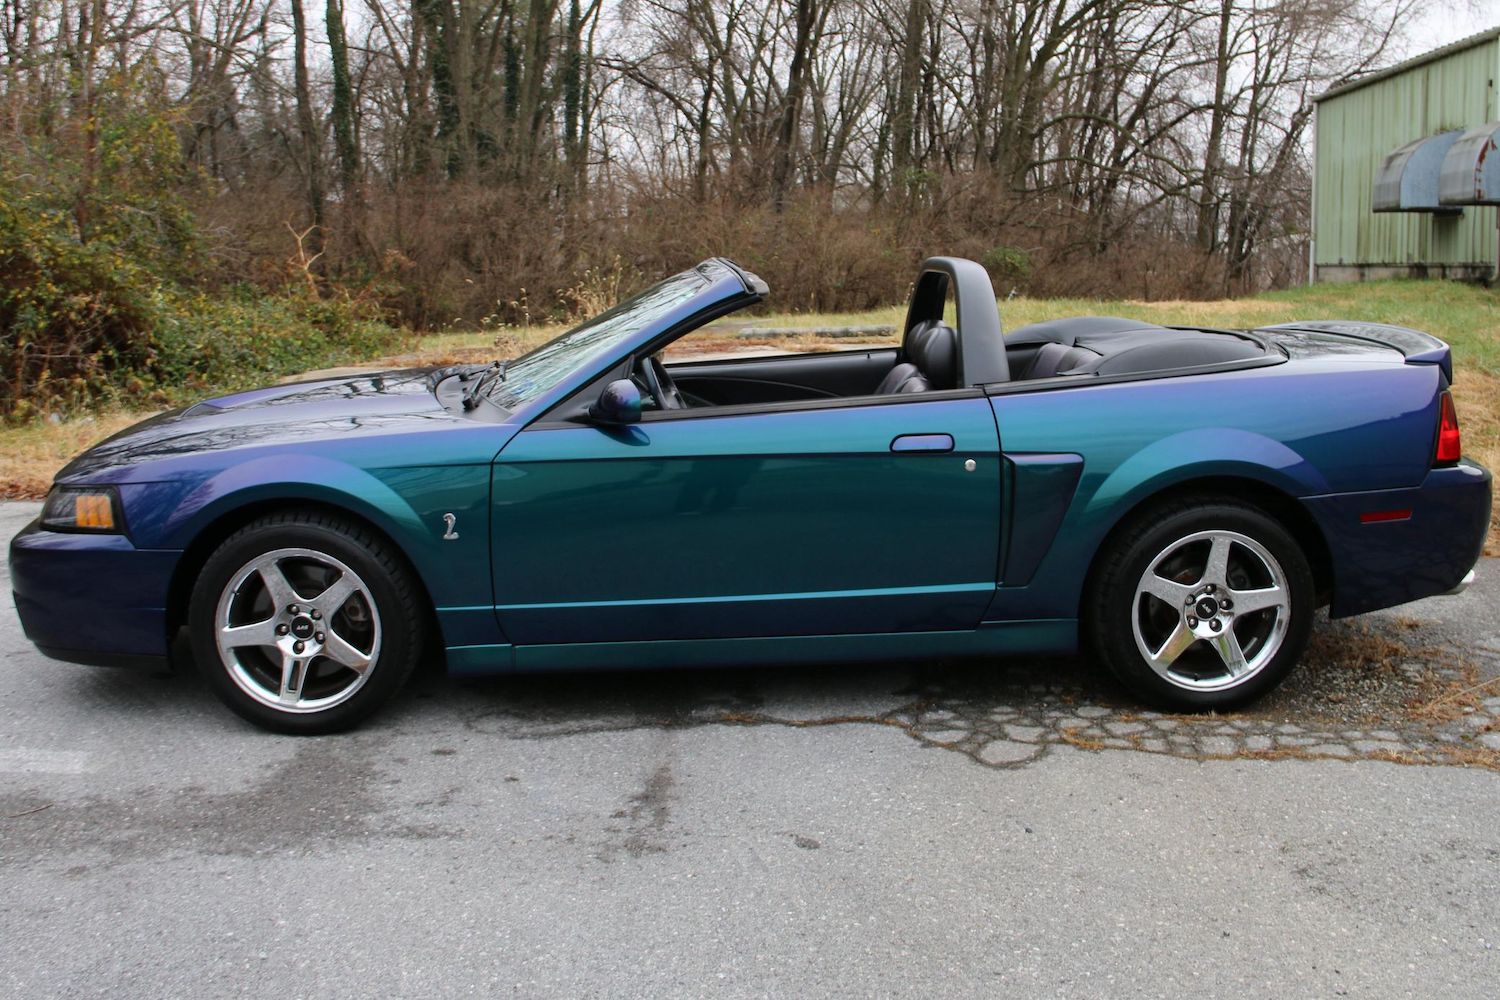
(1367, 135)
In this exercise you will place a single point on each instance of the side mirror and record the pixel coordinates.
(619, 403)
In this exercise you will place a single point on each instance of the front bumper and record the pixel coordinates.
(90, 598)
(1380, 562)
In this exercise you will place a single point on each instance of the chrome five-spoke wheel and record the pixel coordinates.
(298, 630)
(1204, 602)
(306, 622)
(1211, 610)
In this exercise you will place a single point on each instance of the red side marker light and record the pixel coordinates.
(1449, 445)
(1377, 516)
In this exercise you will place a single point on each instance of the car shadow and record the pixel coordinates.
(666, 695)
(1357, 679)
(801, 695)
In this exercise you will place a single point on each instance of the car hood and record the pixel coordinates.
(283, 414)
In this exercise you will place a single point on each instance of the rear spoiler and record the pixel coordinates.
(1417, 347)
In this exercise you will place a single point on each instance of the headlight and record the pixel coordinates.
(82, 508)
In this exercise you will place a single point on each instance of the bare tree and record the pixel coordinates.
(451, 145)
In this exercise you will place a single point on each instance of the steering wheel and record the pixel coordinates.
(659, 382)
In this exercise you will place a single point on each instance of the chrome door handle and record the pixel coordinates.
(923, 442)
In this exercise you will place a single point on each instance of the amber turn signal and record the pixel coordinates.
(95, 512)
(81, 509)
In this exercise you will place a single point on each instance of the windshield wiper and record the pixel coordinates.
(473, 393)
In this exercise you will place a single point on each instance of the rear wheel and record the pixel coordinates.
(1203, 604)
(305, 623)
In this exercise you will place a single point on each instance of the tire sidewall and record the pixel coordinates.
(1112, 603)
(400, 633)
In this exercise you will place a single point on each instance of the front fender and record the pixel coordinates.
(407, 504)
(285, 479)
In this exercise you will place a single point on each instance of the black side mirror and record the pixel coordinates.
(619, 403)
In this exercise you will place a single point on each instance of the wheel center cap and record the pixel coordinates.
(1207, 608)
(302, 627)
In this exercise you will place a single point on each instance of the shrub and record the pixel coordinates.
(76, 317)
(1007, 266)
(226, 342)
(103, 275)
(85, 323)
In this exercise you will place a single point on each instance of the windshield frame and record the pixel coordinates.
(715, 286)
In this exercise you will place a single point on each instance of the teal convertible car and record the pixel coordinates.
(1178, 501)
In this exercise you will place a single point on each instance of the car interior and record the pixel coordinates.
(931, 358)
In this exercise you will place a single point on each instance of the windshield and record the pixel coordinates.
(533, 374)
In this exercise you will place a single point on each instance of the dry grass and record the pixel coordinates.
(1073, 736)
(1444, 756)
(1380, 672)
(1433, 756)
(31, 455)
(465, 348)
(1447, 698)
(1367, 672)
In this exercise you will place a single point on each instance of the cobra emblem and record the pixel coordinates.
(448, 522)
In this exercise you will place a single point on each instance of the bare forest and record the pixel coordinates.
(454, 161)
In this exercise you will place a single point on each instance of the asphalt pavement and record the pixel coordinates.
(928, 830)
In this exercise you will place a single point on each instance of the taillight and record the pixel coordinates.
(1449, 446)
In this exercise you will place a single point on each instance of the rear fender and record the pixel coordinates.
(1056, 590)
(1200, 454)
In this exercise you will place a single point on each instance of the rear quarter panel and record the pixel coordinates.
(1307, 427)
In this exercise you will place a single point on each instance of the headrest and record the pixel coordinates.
(933, 347)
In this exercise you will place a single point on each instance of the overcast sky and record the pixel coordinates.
(1442, 22)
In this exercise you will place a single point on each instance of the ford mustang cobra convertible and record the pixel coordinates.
(1176, 502)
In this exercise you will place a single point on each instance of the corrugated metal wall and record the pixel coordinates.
(1355, 131)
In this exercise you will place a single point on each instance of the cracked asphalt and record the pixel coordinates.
(931, 829)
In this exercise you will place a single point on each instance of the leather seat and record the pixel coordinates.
(931, 353)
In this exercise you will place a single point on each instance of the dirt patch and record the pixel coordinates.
(1361, 672)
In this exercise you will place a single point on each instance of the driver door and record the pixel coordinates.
(853, 516)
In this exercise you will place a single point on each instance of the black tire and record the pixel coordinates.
(1126, 614)
(324, 690)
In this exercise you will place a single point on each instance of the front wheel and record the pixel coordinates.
(1203, 605)
(305, 623)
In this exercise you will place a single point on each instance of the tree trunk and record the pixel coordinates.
(343, 100)
(307, 125)
(791, 115)
(903, 116)
(572, 74)
(1207, 228)
(85, 99)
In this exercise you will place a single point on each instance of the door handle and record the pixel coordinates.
(923, 442)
